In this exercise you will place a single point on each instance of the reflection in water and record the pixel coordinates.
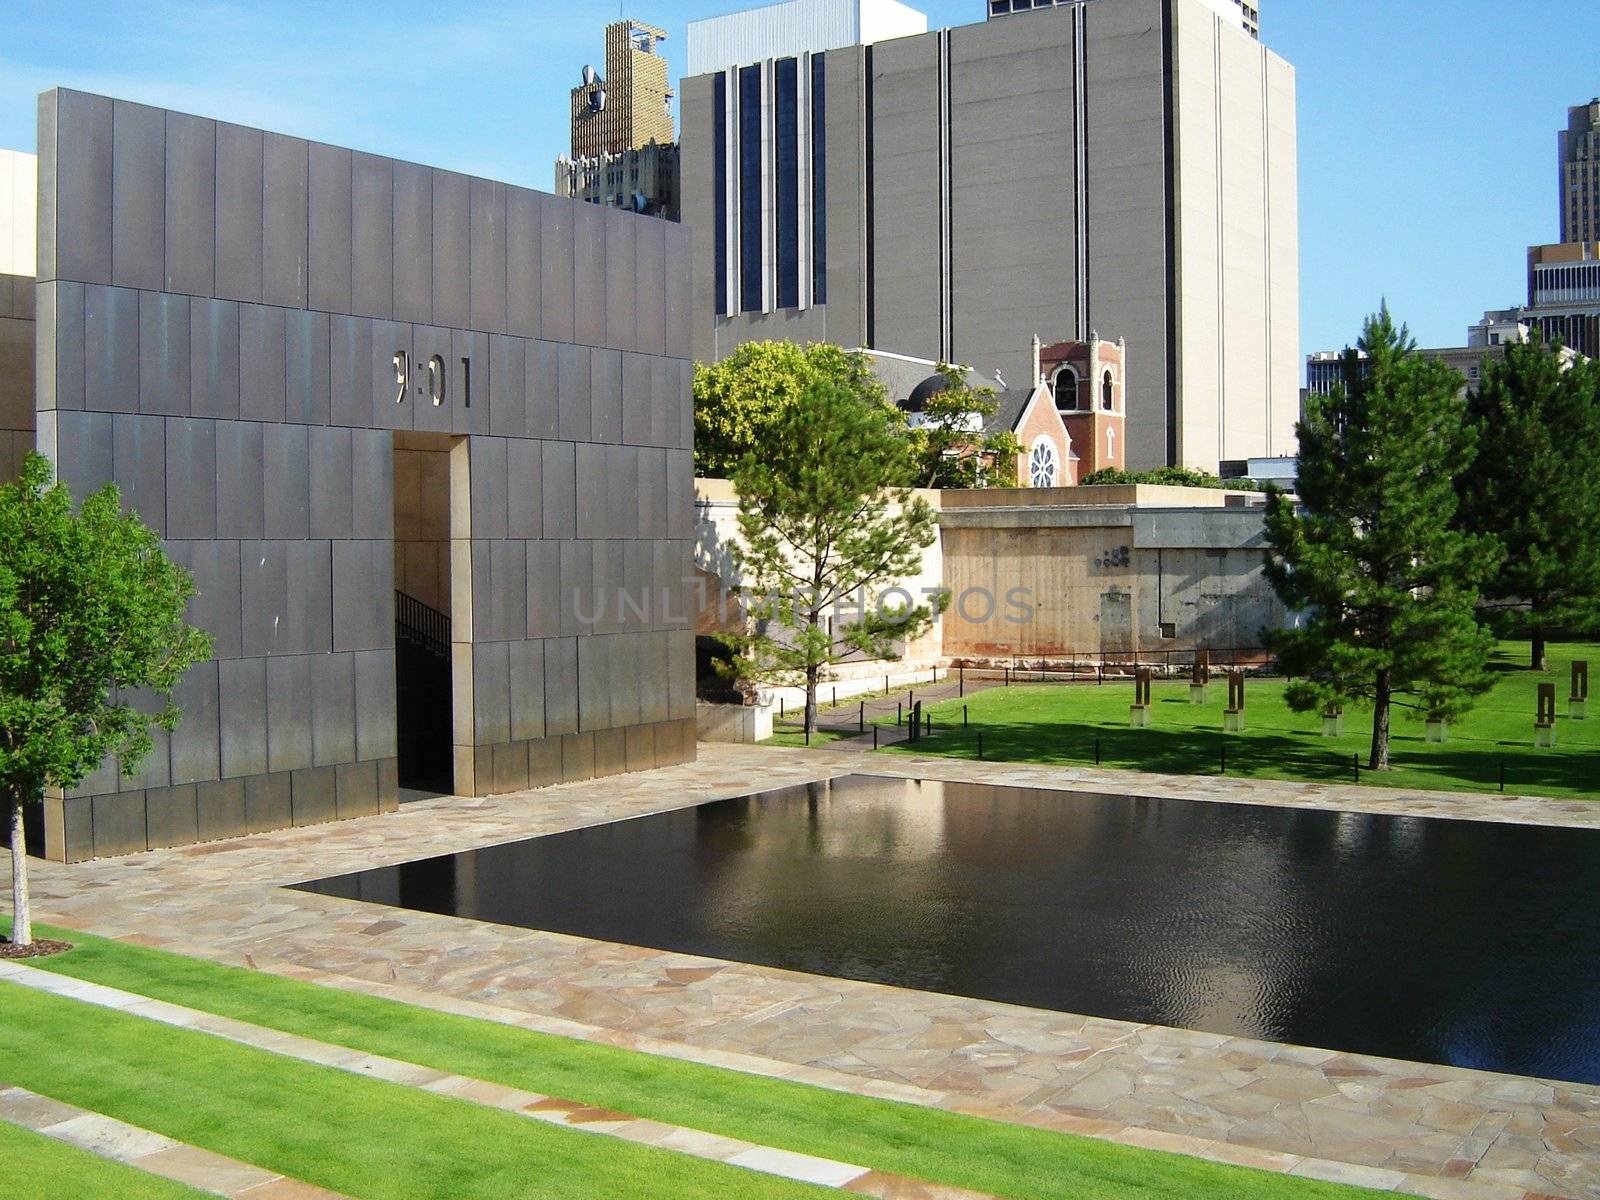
(1445, 941)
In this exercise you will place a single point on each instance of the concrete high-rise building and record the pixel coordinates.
(1580, 173)
(624, 148)
(1126, 166)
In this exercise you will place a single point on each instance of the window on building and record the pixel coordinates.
(719, 166)
(1064, 386)
(786, 172)
(1042, 464)
(1106, 391)
(819, 181)
(752, 279)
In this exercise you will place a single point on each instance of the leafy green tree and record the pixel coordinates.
(1371, 556)
(737, 400)
(825, 515)
(1539, 494)
(951, 446)
(91, 610)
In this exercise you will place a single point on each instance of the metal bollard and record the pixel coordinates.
(861, 717)
(1224, 758)
(1008, 676)
(961, 682)
(927, 725)
(963, 716)
(874, 737)
(1097, 752)
(1502, 774)
(1355, 766)
(980, 743)
(899, 714)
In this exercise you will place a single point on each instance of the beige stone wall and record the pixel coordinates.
(1070, 573)
(422, 521)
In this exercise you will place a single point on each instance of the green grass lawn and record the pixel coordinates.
(35, 1167)
(1060, 723)
(95, 1063)
(360, 1136)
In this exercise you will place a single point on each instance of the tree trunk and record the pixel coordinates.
(1537, 656)
(811, 699)
(21, 913)
(1379, 759)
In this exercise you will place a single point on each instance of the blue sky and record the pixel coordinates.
(1427, 127)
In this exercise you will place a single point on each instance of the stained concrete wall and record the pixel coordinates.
(1116, 571)
(1069, 573)
(221, 314)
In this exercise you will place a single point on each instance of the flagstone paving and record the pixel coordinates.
(1427, 1130)
(152, 1152)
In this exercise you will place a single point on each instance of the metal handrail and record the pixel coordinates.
(421, 625)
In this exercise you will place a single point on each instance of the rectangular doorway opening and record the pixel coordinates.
(423, 577)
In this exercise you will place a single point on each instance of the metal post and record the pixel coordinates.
(1502, 774)
(835, 703)
(874, 737)
(928, 723)
(885, 685)
(980, 743)
(1008, 676)
(1355, 766)
(961, 682)
(780, 707)
(861, 717)
(963, 716)
(936, 675)
(1097, 752)
(899, 714)
(1224, 758)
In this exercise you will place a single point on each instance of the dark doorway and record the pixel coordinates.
(422, 612)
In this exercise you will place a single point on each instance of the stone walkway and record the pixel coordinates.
(550, 1110)
(1425, 1130)
(152, 1152)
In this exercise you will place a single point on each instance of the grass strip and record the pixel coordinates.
(930, 1144)
(364, 1137)
(36, 1167)
(1074, 724)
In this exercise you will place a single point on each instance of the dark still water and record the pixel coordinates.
(1456, 942)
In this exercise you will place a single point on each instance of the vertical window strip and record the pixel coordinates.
(719, 157)
(751, 277)
(819, 181)
(786, 173)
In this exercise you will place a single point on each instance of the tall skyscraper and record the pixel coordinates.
(1112, 168)
(1580, 174)
(624, 151)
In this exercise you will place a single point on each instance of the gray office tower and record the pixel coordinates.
(1120, 167)
(423, 439)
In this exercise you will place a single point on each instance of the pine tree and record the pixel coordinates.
(825, 516)
(1538, 490)
(1387, 585)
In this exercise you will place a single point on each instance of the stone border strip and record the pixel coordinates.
(1225, 1153)
(551, 1110)
(151, 1152)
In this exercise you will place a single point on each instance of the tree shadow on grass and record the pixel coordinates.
(1169, 751)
